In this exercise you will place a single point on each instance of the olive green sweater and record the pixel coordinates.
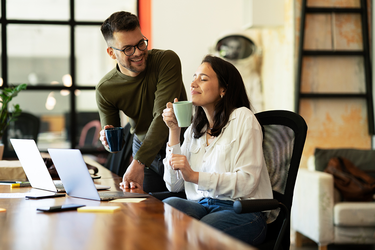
(142, 99)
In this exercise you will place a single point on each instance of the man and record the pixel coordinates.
(140, 85)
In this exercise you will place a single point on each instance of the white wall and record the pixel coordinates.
(191, 27)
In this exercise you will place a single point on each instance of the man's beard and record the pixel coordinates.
(135, 69)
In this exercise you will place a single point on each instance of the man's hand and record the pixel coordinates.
(103, 138)
(133, 177)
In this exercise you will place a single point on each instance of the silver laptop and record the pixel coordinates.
(35, 169)
(76, 178)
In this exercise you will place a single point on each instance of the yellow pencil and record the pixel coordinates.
(18, 185)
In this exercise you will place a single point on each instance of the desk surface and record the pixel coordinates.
(149, 224)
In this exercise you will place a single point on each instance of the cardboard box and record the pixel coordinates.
(11, 170)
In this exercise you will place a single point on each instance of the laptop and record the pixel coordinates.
(76, 178)
(35, 169)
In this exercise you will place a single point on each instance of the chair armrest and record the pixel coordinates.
(258, 205)
(166, 194)
(313, 201)
(254, 205)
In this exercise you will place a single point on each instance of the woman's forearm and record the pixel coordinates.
(174, 136)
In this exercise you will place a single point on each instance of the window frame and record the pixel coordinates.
(72, 24)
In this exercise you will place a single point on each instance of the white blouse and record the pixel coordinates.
(232, 167)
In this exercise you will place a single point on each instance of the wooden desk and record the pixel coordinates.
(149, 224)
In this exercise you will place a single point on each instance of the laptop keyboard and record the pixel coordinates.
(111, 194)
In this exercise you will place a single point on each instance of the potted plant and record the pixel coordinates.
(6, 115)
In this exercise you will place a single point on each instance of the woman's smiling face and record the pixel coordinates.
(204, 89)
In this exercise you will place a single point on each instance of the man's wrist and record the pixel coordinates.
(140, 163)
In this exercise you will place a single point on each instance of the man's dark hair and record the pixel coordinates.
(235, 97)
(119, 21)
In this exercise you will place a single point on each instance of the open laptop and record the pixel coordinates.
(35, 169)
(76, 178)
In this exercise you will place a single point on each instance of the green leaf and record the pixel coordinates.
(6, 96)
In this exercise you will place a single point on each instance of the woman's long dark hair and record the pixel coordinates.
(235, 97)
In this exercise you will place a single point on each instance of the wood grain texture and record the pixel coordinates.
(149, 224)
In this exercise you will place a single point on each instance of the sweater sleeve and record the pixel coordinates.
(169, 86)
(109, 114)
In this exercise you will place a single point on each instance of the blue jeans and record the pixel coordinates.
(248, 227)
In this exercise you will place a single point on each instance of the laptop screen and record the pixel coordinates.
(32, 163)
(73, 173)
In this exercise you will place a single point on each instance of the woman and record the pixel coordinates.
(221, 159)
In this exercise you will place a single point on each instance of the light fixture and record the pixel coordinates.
(33, 78)
(67, 80)
(64, 92)
(50, 102)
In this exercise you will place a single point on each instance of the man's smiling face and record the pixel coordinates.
(129, 65)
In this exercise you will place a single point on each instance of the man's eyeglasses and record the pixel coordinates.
(130, 50)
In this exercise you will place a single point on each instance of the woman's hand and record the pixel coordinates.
(168, 116)
(179, 162)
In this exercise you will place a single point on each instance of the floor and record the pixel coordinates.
(313, 246)
(310, 245)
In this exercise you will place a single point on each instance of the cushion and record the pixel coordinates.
(354, 214)
(362, 158)
(354, 235)
(311, 163)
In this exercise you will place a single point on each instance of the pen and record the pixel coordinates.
(23, 184)
(10, 182)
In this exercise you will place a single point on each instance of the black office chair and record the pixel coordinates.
(284, 135)
(89, 137)
(25, 127)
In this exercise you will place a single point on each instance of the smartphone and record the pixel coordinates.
(43, 196)
(60, 208)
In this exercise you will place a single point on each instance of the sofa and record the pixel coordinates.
(318, 211)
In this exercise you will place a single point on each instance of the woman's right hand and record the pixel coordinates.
(168, 116)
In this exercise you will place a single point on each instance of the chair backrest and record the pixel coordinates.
(93, 137)
(25, 127)
(284, 134)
